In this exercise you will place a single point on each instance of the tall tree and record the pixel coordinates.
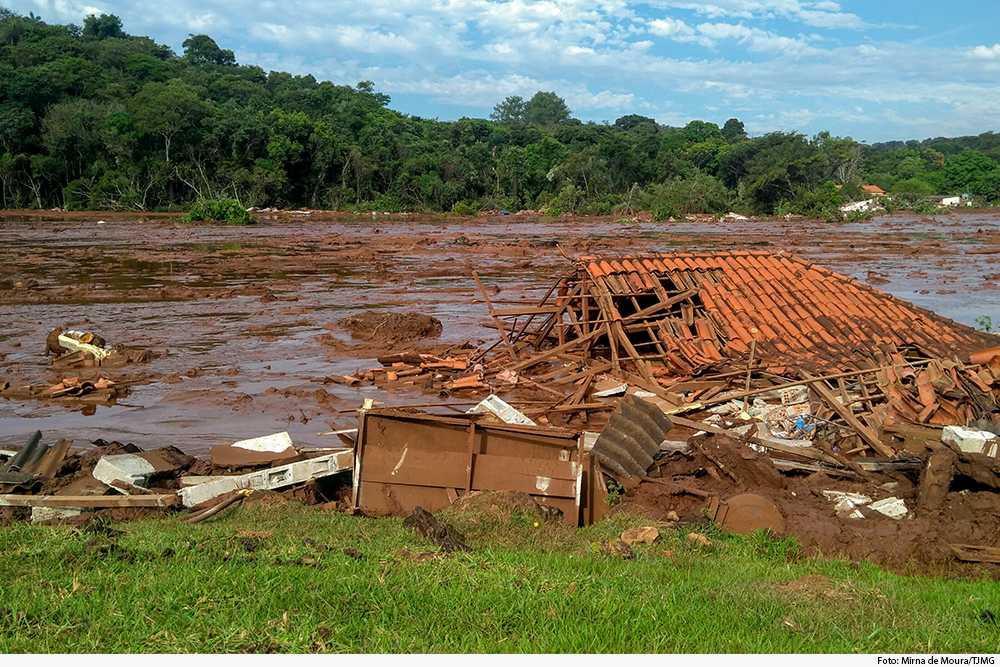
(16, 123)
(202, 50)
(510, 110)
(546, 109)
(733, 131)
(105, 26)
(166, 109)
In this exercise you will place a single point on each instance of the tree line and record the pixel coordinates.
(94, 118)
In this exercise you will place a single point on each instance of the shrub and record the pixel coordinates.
(923, 207)
(913, 186)
(860, 215)
(664, 211)
(823, 202)
(228, 211)
(678, 197)
(568, 200)
(464, 208)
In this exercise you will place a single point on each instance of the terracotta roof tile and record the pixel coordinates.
(805, 315)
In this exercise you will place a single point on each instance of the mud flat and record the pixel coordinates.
(247, 323)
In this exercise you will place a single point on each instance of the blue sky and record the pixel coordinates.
(871, 70)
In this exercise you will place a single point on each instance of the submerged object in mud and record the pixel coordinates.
(74, 341)
(746, 513)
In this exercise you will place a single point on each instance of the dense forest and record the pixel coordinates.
(94, 118)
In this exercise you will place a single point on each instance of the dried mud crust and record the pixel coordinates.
(917, 543)
(389, 328)
(497, 504)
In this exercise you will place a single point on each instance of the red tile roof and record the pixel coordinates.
(799, 314)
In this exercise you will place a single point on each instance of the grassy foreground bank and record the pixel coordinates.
(259, 579)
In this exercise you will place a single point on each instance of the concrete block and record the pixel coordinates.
(970, 440)
(894, 508)
(52, 514)
(129, 468)
(847, 504)
(794, 395)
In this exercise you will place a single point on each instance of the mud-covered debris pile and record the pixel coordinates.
(98, 390)
(826, 384)
(55, 482)
(390, 328)
(76, 349)
(79, 359)
(882, 517)
(440, 374)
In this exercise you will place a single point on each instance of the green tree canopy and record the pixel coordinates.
(733, 131)
(97, 118)
(105, 26)
(166, 109)
(974, 173)
(546, 109)
(202, 50)
(510, 110)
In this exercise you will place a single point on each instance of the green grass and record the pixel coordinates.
(165, 586)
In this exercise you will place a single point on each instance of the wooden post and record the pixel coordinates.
(472, 454)
(500, 327)
(753, 350)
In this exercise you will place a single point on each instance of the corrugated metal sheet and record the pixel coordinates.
(631, 439)
(32, 465)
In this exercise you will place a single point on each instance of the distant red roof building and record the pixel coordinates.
(873, 190)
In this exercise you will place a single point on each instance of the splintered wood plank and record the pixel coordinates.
(548, 354)
(976, 554)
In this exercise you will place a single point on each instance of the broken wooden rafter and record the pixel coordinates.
(847, 414)
(548, 354)
(500, 328)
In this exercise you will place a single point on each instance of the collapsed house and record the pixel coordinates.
(815, 371)
(688, 379)
(670, 316)
(689, 327)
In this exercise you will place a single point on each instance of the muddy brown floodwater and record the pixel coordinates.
(245, 318)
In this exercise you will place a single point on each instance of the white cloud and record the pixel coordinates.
(668, 27)
(677, 30)
(756, 39)
(818, 14)
(986, 52)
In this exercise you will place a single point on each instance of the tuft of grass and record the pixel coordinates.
(289, 579)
